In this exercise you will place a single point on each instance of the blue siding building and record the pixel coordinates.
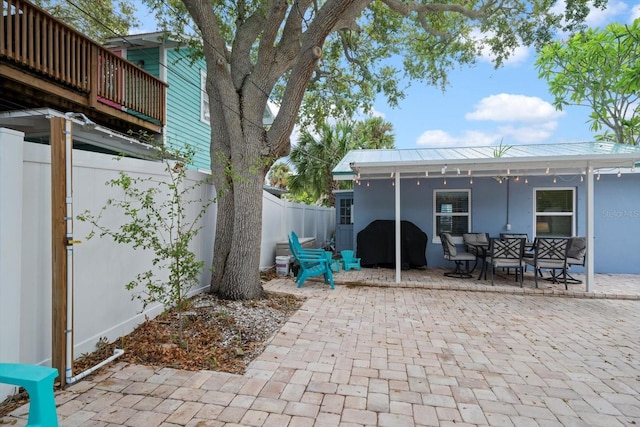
(580, 189)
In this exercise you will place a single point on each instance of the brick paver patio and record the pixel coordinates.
(431, 351)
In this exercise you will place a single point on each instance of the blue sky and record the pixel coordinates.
(483, 105)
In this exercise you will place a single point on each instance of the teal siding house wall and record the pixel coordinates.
(163, 59)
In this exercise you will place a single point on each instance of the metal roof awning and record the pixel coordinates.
(35, 125)
(586, 158)
(521, 160)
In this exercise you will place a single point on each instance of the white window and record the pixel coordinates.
(452, 212)
(204, 98)
(554, 212)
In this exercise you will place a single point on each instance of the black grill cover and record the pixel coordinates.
(376, 245)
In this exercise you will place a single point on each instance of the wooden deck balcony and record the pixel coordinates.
(46, 63)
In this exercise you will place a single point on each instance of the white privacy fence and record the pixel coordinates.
(102, 305)
(281, 217)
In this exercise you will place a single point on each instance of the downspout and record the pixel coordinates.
(70, 242)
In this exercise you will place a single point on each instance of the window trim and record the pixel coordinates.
(204, 99)
(572, 214)
(456, 239)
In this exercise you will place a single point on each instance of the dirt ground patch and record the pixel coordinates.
(218, 335)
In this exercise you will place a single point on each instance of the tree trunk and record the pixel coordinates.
(236, 260)
(238, 171)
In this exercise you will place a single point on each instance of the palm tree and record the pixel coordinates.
(374, 132)
(315, 155)
(279, 175)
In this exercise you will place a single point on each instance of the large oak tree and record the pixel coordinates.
(320, 58)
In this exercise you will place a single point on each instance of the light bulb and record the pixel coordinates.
(367, 183)
(554, 179)
(547, 171)
(471, 181)
(526, 180)
(619, 173)
(426, 173)
(469, 173)
(445, 182)
(418, 183)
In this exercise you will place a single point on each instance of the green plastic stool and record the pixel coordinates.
(38, 381)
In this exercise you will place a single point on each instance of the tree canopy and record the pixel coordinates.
(599, 69)
(326, 58)
(99, 20)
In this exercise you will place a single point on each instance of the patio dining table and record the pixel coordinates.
(482, 249)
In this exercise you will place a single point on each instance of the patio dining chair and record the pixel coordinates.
(476, 244)
(506, 253)
(451, 253)
(576, 255)
(550, 253)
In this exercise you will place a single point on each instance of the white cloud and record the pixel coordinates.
(519, 55)
(529, 120)
(506, 107)
(597, 17)
(600, 18)
(371, 113)
(635, 13)
(531, 134)
(440, 138)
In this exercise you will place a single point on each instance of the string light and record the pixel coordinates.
(469, 173)
(391, 174)
(581, 178)
(426, 173)
(367, 183)
(471, 180)
(554, 180)
(619, 173)
(517, 178)
(445, 181)
(393, 183)
(418, 183)
(547, 172)
(526, 180)
(458, 171)
(598, 176)
(444, 169)
(508, 171)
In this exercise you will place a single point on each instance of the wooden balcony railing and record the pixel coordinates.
(34, 40)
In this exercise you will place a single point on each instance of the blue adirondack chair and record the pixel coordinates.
(349, 261)
(311, 264)
(307, 251)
